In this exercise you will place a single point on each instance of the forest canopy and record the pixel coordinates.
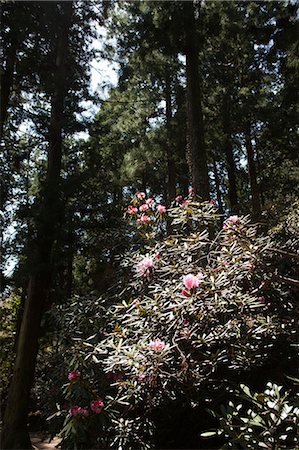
(149, 209)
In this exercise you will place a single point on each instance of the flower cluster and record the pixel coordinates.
(230, 222)
(79, 411)
(145, 267)
(96, 406)
(73, 374)
(144, 210)
(157, 344)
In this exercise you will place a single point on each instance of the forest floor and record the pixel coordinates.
(41, 442)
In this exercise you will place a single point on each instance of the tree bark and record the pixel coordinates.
(15, 434)
(217, 185)
(228, 149)
(196, 151)
(171, 168)
(255, 196)
(7, 82)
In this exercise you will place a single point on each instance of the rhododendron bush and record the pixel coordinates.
(199, 304)
(202, 303)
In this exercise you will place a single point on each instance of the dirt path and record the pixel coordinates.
(40, 442)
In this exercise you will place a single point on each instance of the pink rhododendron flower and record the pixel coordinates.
(78, 411)
(97, 406)
(145, 266)
(157, 344)
(144, 219)
(179, 198)
(190, 281)
(143, 207)
(157, 255)
(186, 293)
(74, 374)
(140, 195)
(149, 201)
(161, 209)
(191, 190)
(186, 202)
(232, 220)
(132, 209)
(212, 202)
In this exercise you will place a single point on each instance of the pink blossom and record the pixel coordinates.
(97, 406)
(157, 255)
(78, 411)
(140, 195)
(262, 299)
(185, 323)
(157, 344)
(190, 281)
(191, 190)
(232, 220)
(74, 374)
(161, 209)
(212, 202)
(132, 209)
(186, 293)
(249, 265)
(143, 219)
(179, 198)
(144, 266)
(186, 202)
(149, 201)
(143, 207)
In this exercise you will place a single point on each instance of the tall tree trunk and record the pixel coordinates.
(171, 169)
(259, 170)
(255, 196)
(15, 434)
(228, 149)
(217, 185)
(7, 83)
(196, 151)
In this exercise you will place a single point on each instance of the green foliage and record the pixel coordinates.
(9, 309)
(170, 343)
(267, 419)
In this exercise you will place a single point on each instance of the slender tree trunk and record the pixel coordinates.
(7, 83)
(255, 196)
(228, 149)
(15, 434)
(217, 185)
(259, 170)
(196, 151)
(171, 168)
